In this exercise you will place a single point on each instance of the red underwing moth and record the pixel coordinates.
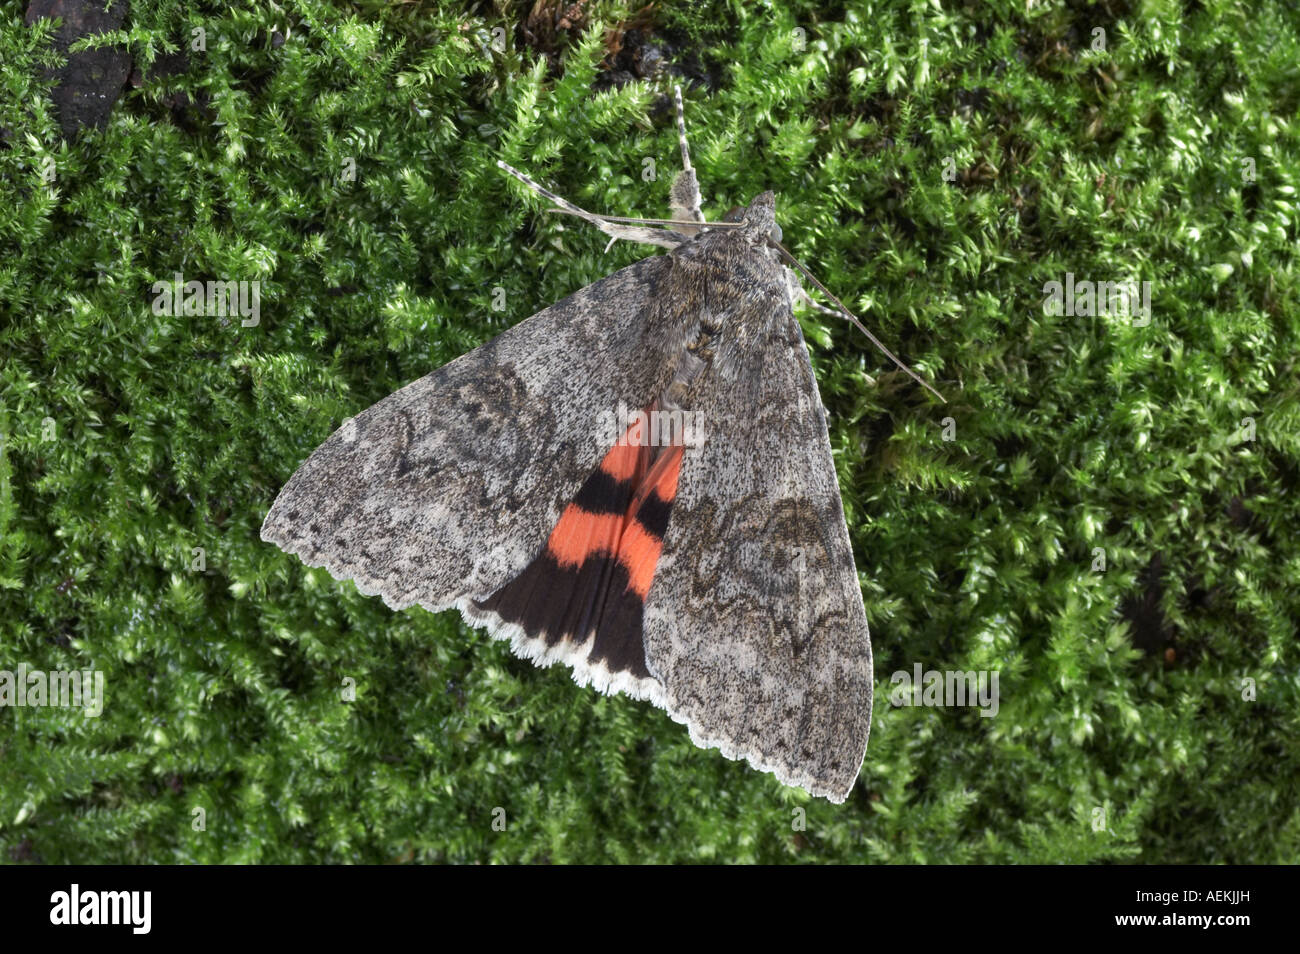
(635, 482)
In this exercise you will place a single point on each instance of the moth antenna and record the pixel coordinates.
(684, 194)
(681, 129)
(854, 318)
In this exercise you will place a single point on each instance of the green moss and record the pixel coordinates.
(1121, 689)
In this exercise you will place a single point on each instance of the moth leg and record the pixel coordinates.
(794, 288)
(684, 195)
(813, 302)
(665, 238)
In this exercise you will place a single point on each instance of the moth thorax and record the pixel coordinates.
(689, 368)
(702, 346)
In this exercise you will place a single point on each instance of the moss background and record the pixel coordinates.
(1122, 689)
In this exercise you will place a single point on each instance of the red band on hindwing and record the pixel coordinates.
(600, 559)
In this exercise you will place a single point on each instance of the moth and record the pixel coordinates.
(635, 482)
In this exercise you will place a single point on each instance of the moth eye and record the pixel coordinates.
(775, 233)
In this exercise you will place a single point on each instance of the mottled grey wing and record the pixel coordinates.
(444, 490)
(754, 622)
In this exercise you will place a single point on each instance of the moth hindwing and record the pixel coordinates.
(636, 482)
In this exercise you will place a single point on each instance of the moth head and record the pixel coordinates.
(759, 219)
